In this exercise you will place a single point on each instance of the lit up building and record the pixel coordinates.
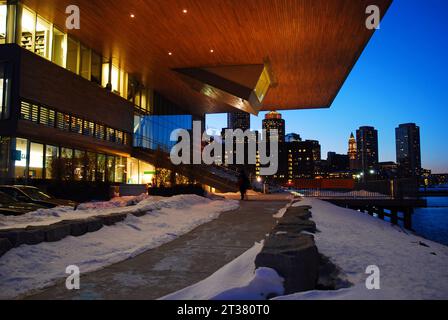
(273, 121)
(408, 149)
(302, 159)
(367, 148)
(352, 153)
(98, 104)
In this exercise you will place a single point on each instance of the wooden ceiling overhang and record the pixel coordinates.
(311, 45)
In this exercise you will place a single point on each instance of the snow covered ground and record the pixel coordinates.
(237, 280)
(85, 210)
(31, 267)
(410, 267)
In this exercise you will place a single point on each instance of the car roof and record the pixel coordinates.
(17, 187)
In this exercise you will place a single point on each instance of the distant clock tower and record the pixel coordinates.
(352, 152)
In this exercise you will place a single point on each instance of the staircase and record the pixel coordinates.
(223, 180)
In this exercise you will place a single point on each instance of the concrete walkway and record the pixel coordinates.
(180, 263)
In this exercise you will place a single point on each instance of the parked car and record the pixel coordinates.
(11, 207)
(34, 195)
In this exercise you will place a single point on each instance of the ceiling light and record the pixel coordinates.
(185, 11)
(212, 50)
(132, 15)
(170, 53)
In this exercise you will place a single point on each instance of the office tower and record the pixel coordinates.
(367, 148)
(352, 153)
(238, 120)
(337, 162)
(301, 159)
(273, 120)
(408, 149)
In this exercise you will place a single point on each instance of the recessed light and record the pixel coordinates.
(185, 11)
(170, 53)
(132, 15)
(211, 50)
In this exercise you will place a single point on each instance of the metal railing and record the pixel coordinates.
(333, 194)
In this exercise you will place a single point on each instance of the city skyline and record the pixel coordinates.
(409, 58)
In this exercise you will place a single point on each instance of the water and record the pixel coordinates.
(432, 222)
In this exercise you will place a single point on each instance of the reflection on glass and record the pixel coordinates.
(66, 163)
(43, 38)
(101, 168)
(51, 162)
(110, 166)
(3, 12)
(59, 47)
(78, 165)
(22, 154)
(5, 156)
(35, 170)
(84, 70)
(120, 169)
(28, 29)
(90, 166)
(72, 55)
(96, 68)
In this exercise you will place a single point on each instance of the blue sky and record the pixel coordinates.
(402, 76)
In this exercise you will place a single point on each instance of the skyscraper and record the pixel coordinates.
(238, 120)
(407, 138)
(352, 153)
(367, 148)
(273, 120)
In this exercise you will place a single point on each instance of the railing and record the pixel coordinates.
(332, 194)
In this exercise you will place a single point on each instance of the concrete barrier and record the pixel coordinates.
(5, 246)
(292, 253)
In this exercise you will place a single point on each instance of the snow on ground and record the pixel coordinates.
(237, 280)
(353, 241)
(85, 210)
(31, 267)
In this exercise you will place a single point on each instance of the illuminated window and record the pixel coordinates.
(78, 165)
(72, 55)
(51, 162)
(3, 15)
(59, 48)
(35, 170)
(86, 60)
(76, 125)
(22, 154)
(28, 29)
(43, 38)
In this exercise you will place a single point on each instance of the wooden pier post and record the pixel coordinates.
(407, 217)
(394, 216)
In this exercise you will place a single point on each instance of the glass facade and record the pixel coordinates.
(3, 21)
(4, 91)
(32, 160)
(153, 131)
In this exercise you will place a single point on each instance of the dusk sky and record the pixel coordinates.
(401, 77)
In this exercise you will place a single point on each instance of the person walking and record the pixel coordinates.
(243, 183)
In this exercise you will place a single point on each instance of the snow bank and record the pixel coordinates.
(85, 210)
(237, 280)
(354, 241)
(410, 267)
(31, 267)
